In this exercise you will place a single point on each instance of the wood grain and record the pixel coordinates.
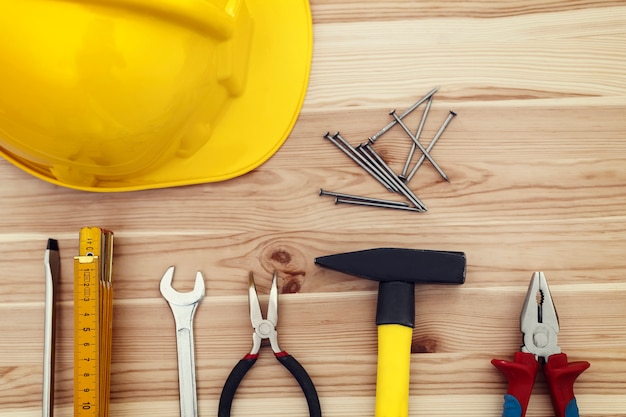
(537, 182)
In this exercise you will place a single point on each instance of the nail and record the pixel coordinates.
(375, 204)
(374, 169)
(417, 136)
(419, 145)
(391, 124)
(382, 172)
(432, 144)
(349, 151)
(362, 198)
(404, 190)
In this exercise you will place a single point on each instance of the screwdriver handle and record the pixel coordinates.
(520, 375)
(561, 376)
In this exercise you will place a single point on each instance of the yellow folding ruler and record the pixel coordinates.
(93, 305)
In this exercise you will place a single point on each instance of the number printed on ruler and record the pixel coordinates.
(86, 336)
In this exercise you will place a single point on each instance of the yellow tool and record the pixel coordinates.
(123, 95)
(397, 270)
(93, 302)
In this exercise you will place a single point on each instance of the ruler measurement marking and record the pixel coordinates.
(86, 333)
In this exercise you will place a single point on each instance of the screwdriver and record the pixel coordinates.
(52, 264)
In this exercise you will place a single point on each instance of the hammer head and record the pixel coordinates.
(416, 266)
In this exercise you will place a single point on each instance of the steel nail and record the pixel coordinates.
(432, 144)
(377, 173)
(375, 165)
(349, 151)
(391, 124)
(419, 145)
(417, 136)
(376, 204)
(362, 198)
(404, 190)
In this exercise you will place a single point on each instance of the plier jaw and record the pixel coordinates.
(264, 328)
(539, 321)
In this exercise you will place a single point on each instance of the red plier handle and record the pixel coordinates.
(521, 375)
(560, 376)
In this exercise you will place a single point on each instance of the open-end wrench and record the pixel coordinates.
(183, 306)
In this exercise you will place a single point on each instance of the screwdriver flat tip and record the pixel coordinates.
(53, 244)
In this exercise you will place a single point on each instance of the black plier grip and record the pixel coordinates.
(289, 362)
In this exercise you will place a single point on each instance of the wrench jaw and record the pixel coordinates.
(174, 297)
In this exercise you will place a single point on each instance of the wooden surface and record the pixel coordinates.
(537, 182)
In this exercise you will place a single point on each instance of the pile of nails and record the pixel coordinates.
(367, 158)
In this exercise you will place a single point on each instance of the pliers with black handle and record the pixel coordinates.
(266, 329)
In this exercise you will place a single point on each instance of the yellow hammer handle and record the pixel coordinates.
(394, 366)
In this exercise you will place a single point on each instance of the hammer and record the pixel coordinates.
(397, 270)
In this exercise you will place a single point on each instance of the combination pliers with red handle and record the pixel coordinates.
(540, 325)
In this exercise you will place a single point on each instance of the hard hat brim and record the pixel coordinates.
(256, 123)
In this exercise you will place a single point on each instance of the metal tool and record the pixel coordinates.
(363, 198)
(539, 324)
(404, 189)
(351, 153)
(361, 150)
(369, 203)
(266, 329)
(397, 271)
(431, 145)
(52, 264)
(184, 306)
(366, 157)
(417, 136)
(419, 145)
(403, 115)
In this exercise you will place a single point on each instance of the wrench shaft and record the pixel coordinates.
(186, 373)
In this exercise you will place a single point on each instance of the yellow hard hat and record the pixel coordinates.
(120, 95)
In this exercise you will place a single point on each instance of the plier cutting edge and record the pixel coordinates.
(540, 325)
(266, 329)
